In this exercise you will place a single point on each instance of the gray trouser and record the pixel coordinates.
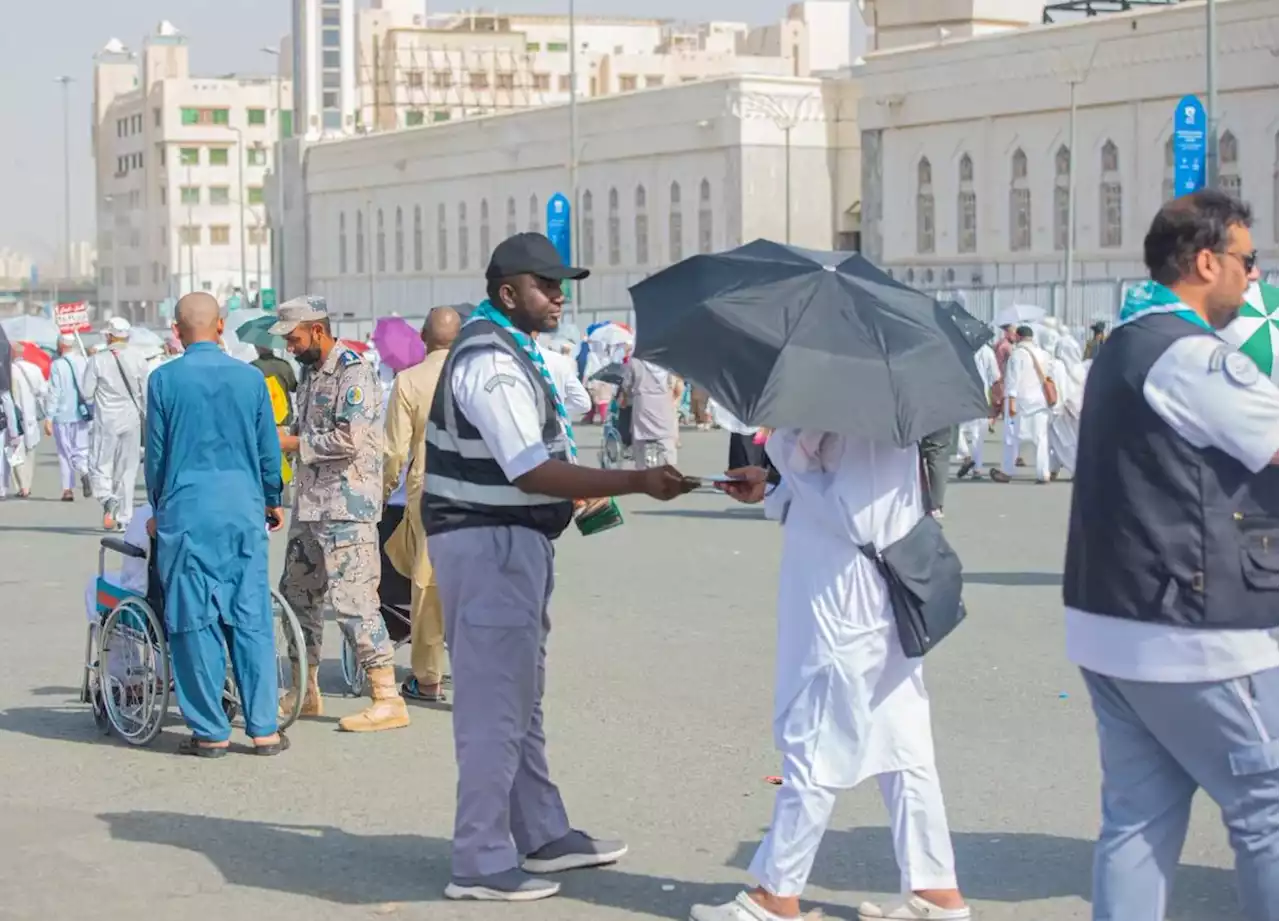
(935, 451)
(1159, 744)
(495, 584)
(114, 473)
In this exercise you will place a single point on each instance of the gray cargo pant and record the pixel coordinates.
(495, 584)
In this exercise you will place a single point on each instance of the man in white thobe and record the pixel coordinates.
(564, 372)
(1066, 425)
(974, 433)
(848, 705)
(64, 419)
(115, 381)
(1027, 413)
(22, 412)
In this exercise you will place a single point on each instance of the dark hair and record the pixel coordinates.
(1025, 332)
(1185, 226)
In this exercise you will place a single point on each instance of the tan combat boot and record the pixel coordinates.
(387, 710)
(312, 704)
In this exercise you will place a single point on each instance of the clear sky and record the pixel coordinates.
(43, 39)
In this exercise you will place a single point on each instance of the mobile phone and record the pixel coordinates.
(721, 479)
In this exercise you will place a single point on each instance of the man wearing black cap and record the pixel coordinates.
(1094, 345)
(502, 482)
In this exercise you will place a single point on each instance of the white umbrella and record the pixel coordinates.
(1017, 314)
(142, 338)
(40, 330)
(612, 335)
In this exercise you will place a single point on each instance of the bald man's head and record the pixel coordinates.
(197, 319)
(441, 328)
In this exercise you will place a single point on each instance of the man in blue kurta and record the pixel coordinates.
(213, 479)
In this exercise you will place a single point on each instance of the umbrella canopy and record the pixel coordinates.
(355, 345)
(975, 332)
(610, 374)
(31, 352)
(40, 330)
(1256, 331)
(784, 337)
(255, 333)
(399, 344)
(612, 335)
(1019, 314)
(142, 338)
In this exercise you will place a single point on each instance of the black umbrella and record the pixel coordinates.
(784, 337)
(975, 332)
(6, 362)
(609, 374)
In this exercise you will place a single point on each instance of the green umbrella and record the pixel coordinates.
(255, 333)
(1256, 331)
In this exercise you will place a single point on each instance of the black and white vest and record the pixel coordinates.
(1162, 531)
(465, 486)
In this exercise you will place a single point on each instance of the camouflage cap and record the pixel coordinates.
(305, 309)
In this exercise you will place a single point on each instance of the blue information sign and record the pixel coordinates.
(560, 233)
(1188, 146)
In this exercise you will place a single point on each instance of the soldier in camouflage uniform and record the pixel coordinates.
(332, 561)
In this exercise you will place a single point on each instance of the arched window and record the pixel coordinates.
(342, 243)
(1166, 185)
(704, 217)
(642, 227)
(359, 242)
(1019, 203)
(1229, 164)
(535, 215)
(615, 229)
(442, 238)
(399, 239)
(382, 243)
(484, 231)
(417, 238)
(966, 209)
(511, 216)
(464, 237)
(1275, 190)
(1061, 197)
(924, 206)
(588, 253)
(675, 226)
(1110, 199)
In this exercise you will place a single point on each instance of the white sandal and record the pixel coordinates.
(913, 909)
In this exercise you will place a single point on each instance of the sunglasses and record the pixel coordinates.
(1248, 260)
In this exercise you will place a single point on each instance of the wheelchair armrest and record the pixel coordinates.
(119, 545)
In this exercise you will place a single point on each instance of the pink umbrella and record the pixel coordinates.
(398, 344)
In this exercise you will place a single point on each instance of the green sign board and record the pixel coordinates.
(268, 299)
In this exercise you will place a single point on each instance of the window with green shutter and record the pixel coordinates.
(190, 116)
(218, 156)
(257, 116)
(413, 118)
(286, 124)
(255, 194)
(190, 194)
(222, 116)
(189, 156)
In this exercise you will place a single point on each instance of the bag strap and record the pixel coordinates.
(125, 380)
(75, 384)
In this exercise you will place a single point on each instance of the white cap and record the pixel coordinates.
(66, 339)
(118, 326)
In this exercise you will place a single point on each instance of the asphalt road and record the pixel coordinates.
(658, 710)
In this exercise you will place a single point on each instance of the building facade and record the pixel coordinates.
(323, 63)
(180, 168)
(400, 222)
(967, 151)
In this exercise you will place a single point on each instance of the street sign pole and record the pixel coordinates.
(560, 233)
(1189, 146)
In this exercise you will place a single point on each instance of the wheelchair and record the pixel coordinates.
(127, 678)
(615, 437)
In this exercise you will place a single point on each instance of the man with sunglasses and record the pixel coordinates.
(1171, 572)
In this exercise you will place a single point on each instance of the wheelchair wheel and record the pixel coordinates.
(352, 670)
(291, 656)
(133, 671)
(611, 449)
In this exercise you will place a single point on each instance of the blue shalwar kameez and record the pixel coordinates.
(213, 468)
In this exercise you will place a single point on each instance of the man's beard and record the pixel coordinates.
(309, 357)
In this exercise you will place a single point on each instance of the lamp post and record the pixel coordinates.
(277, 226)
(244, 284)
(1211, 94)
(573, 155)
(784, 112)
(66, 172)
(1074, 79)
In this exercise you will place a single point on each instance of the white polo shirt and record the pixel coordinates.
(1210, 403)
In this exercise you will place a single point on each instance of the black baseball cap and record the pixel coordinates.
(530, 254)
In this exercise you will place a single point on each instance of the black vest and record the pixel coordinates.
(1162, 531)
(465, 487)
